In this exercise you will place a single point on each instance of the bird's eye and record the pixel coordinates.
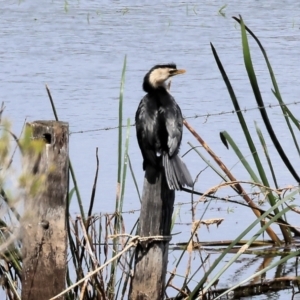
(172, 71)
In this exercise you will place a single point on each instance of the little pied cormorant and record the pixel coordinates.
(159, 125)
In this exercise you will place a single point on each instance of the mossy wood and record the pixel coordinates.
(151, 257)
(44, 235)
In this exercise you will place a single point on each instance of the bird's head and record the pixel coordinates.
(158, 76)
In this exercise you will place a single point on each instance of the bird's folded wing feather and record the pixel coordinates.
(174, 128)
(146, 131)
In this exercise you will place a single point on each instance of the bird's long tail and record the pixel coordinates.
(177, 174)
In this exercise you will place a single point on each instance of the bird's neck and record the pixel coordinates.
(165, 97)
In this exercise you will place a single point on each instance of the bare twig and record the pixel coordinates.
(237, 185)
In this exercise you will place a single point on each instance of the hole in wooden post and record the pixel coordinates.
(44, 224)
(48, 138)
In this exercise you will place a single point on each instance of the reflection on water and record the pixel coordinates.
(79, 50)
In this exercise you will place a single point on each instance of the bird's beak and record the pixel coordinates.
(177, 72)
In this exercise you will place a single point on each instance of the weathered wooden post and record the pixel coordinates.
(151, 256)
(43, 230)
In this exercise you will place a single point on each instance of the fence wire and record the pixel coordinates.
(229, 199)
(196, 116)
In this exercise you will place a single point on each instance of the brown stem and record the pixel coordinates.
(237, 186)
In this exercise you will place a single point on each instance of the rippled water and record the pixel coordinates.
(78, 50)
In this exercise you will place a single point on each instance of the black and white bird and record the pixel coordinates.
(159, 125)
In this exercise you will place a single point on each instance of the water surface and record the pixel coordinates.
(79, 49)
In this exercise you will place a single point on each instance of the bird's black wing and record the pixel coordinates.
(146, 120)
(174, 123)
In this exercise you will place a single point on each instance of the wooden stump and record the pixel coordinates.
(151, 256)
(44, 234)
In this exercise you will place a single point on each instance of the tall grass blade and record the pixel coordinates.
(120, 121)
(52, 103)
(286, 111)
(77, 191)
(254, 177)
(133, 177)
(262, 271)
(276, 91)
(70, 164)
(94, 188)
(259, 100)
(70, 195)
(243, 124)
(285, 114)
(246, 246)
(218, 260)
(125, 163)
(113, 274)
(239, 154)
(265, 148)
(237, 186)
